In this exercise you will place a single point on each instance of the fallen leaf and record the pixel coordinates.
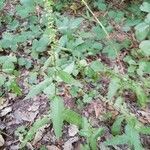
(3, 103)
(73, 130)
(27, 111)
(1, 141)
(68, 145)
(5, 111)
(52, 147)
(39, 135)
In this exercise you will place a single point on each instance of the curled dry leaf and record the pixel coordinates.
(1, 141)
(52, 147)
(5, 111)
(68, 145)
(73, 130)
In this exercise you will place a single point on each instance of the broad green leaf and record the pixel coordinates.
(111, 51)
(97, 66)
(24, 11)
(147, 19)
(117, 140)
(57, 110)
(99, 33)
(50, 90)
(66, 77)
(69, 69)
(145, 47)
(4, 59)
(15, 88)
(101, 5)
(133, 137)
(116, 127)
(74, 23)
(144, 67)
(141, 96)
(27, 2)
(8, 67)
(86, 128)
(72, 117)
(93, 139)
(37, 89)
(113, 88)
(145, 7)
(33, 130)
(144, 130)
(13, 25)
(41, 45)
(142, 31)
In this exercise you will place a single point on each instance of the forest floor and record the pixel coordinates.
(89, 44)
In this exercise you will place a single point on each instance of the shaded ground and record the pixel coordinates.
(16, 112)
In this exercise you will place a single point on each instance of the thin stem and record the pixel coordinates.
(104, 29)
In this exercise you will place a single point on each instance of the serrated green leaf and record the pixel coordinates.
(141, 96)
(38, 124)
(27, 2)
(133, 137)
(50, 90)
(57, 110)
(116, 127)
(69, 68)
(4, 59)
(97, 66)
(142, 31)
(8, 67)
(117, 140)
(40, 45)
(66, 77)
(113, 87)
(15, 88)
(94, 137)
(145, 47)
(143, 68)
(72, 117)
(144, 130)
(35, 90)
(147, 19)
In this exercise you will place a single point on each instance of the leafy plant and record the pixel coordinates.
(77, 53)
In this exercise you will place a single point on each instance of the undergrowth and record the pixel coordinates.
(61, 47)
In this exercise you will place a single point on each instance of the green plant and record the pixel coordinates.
(58, 50)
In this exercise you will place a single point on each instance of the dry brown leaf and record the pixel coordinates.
(5, 111)
(73, 130)
(39, 135)
(1, 141)
(52, 147)
(68, 145)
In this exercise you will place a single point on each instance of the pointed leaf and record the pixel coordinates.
(38, 124)
(57, 109)
(116, 127)
(35, 90)
(67, 78)
(145, 47)
(141, 96)
(72, 117)
(133, 137)
(117, 140)
(113, 87)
